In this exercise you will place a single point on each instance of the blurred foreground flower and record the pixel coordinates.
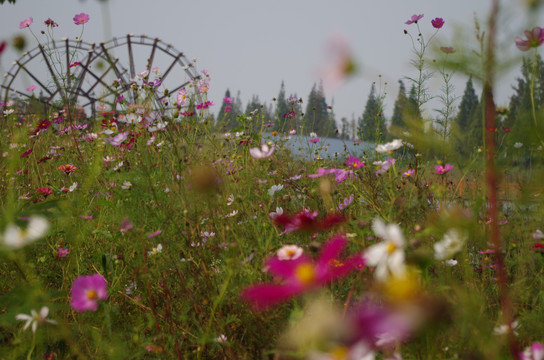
(86, 291)
(264, 152)
(442, 169)
(306, 220)
(341, 63)
(14, 237)
(34, 318)
(453, 242)
(389, 147)
(533, 352)
(301, 274)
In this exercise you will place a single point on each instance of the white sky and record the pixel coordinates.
(252, 45)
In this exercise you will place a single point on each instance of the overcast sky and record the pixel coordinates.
(252, 45)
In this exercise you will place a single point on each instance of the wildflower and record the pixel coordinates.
(535, 38)
(26, 23)
(204, 105)
(45, 191)
(505, 329)
(86, 291)
(453, 242)
(3, 46)
(80, 19)
(389, 147)
(302, 274)
(274, 189)
(31, 88)
(182, 96)
(153, 234)
(383, 166)
(117, 139)
(314, 140)
(26, 153)
(292, 132)
(538, 234)
(447, 49)
(354, 162)
(126, 225)
(289, 252)
(228, 108)
(50, 23)
(518, 145)
(156, 250)
(16, 238)
(227, 100)
(437, 23)
(341, 63)
(306, 220)
(408, 173)
(442, 169)
(289, 115)
(533, 352)
(126, 185)
(34, 318)
(279, 211)
(414, 19)
(63, 252)
(264, 152)
(204, 86)
(345, 203)
(67, 169)
(221, 338)
(388, 255)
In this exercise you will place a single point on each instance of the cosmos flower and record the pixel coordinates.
(264, 152)
(289, 252)
(227, 100)
(388, 255)
(35, 318)
(442, 169)
(447, 49)
(533, 352)
(182, 96)
(408, 173)
(26, 23)
(354, 162)
(451, 244)
(301, 274)
(383, 166)
(535, 38)
(86, 291)
(31, 88)
(14, 237)
(306, 220)
(80, 19)
(67, 169)
(414, 19)
(156, 250)
(389, 147)
(437, 23)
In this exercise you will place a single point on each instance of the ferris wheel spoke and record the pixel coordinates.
(130, 57)
(50, 68)
(22, 67)
(152, 56)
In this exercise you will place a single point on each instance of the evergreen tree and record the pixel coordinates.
(372, 124)
(400, 110)
(468, 122)
(344, 128)
(225, 115)
(317, 117)
(282, 108)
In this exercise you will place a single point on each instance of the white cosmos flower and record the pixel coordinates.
(391, 146)
(34, 318)
(126, 185)
(388, 255)
(156, 250)
(15, 237)
(504, 329)
(289, 252)
(278, 212)
(264, 152)
(274, 189)
(451, 244)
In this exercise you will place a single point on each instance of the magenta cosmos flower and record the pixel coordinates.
(301, 274)
(437, 23)
(81, 19)
(307, 220)
(354, 162)
(535, 38)
(86, 291)
(442, 169)
(414, 19)
(534, 352)
(26, 23)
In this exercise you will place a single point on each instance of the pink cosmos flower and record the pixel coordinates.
(227, 100)
(437, 22)
(306, 220)
(408, 173)
(31, 88)
(182, 97)
(301, 274)
(45, 191)
(63, 252)
(289, 115)
(204, 105)
(26, 23)
(345, 203)
(534, 352)
(447, 49)
(322, 172)
(228, 108)
(3, 45)
(535, 38)
(383, 166)
(314, 140)
(341, 63)
(117, 139)
(50, 23)
(441, 169)
(86, 291)
(414, 19)
(153, 234)
(80, 19)
(354, 162)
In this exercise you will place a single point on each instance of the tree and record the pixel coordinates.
(317, 115)
(282, 108)
(468, 123)
(372, 124)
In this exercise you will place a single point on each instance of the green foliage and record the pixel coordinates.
(316, 117)
(372, 124)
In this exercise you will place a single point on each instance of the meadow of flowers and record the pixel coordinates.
(146, 235)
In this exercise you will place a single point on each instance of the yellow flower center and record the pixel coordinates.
(391, 247)
(305, 273)
(339, 353)
(290, 253)
(91, 295)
